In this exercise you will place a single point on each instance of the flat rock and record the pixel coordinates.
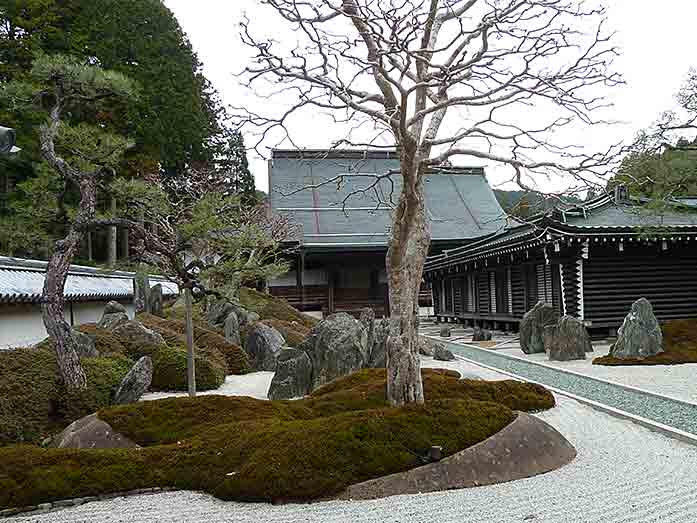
(135, 383)
(263, 345)
(640, 335)
(91, 433)
(527, 447)
(293, 377)
(532, 327)
(567, 340)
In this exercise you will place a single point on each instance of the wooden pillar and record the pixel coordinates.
(331, 289)
(90, 248)
(300, 285)
(112, 238)
(125, 250)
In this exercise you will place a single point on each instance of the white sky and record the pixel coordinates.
(657, 41)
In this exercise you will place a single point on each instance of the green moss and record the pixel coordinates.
(104, 341)
(273, 308)
(679, 345)
(33, 404)
(170, 370)
(342, 434)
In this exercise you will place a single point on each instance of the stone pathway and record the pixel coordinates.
(667, 411)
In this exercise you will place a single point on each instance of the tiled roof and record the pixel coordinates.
(21, 281)
(461, 205)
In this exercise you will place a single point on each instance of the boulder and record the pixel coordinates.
(337, 346)
(114, 316)
(232, 328)
(425, 347)
(293, 377)
(135, 383)
(532, 327)
(91, 433)
(113, 307)
(440, 353)
(367, 319)
(567, 340)
(377, 358)
(157, 301)
(136, 334)
(480, 334)
(218, 311)
(249, 317)
(640, 335)
(263, 345)
(445, 331)
(85, 346)
(142, 292)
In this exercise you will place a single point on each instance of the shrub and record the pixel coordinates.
(278, 450)
(33, 404)
(170, 370)
(679, 345)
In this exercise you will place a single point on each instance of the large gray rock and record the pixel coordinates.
(85, 346)
(367, 319)
(263, 345)
(157, 300)
(377, 358)
(142, 292)
(425, 347)
(532, 327)
(112, 321)
(445, 331)
(135, 383)
(440, 353)
(91, 433)
(293, 377)
(136, 334)
(113, 307)
(218, 311)
(567, 340)
(640, 335)
(480, 334)
(232, 328)
(337, 346)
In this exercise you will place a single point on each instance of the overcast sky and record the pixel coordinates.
(657, 51)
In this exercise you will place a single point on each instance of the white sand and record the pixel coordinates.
(624, 473)
(254, 385)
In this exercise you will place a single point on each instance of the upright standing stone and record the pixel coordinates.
(232, 329)
(640, 335)
(135, 383)
(567, 340)
(293, 378)
(85, 346)
(156, 300)
(532, 327)
(480, 334)
(142, 292)
(262, 347)
(378, 351)
(445, 331)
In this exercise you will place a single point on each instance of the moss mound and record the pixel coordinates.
(273, 308)
(34, 405)
(229, 356)
(679, 344)
(246, 449)
(170, 370)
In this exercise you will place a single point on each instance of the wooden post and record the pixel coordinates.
(331, 291)
(90, 248)
(300, 286)
(190, 362)
(125, 250)
(112, 237)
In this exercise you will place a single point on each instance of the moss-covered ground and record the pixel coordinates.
(273, 308)
(679, 345)
(246, 449)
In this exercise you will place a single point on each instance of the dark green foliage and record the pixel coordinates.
(679, 345)
(282, 450)
(32, 402)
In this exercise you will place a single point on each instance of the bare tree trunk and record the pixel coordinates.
(112, 238)
(90, 249)
(53, 302)
(190, 362)
(406, 256)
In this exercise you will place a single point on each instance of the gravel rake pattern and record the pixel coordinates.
(669, 412)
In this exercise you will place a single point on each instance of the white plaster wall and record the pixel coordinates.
(22, 326)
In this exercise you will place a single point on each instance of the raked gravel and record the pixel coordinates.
(623, 473)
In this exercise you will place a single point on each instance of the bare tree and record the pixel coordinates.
(441, 78)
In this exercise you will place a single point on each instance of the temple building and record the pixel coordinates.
(340, 202)
(590, 261)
